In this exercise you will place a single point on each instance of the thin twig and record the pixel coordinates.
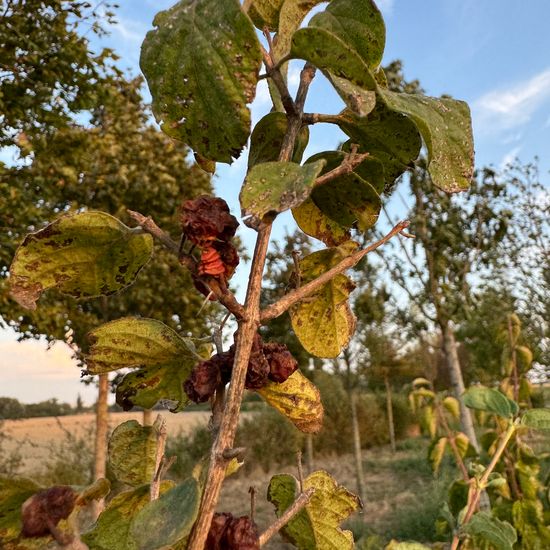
(351, 161)
(222, 293)
(149, 226)
(290, 512)
(315, 118)
(278, 308)
(279, 81)
(162, 432)
(300, 470)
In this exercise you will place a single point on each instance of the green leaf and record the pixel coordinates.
(202, 64)
(324, 323)
(165, 360)
(168, 520)
(13, 493)
(390, 137)
(436, 452)
(112, 529)
(490, 400)
(133, 342)
(132, 452)
(529, 520)
(536, 419)
(332, 56)
(298, 399)
(97, 490)
(360, 102)
(316, 527)
(264, 13)
(357, 23)
(273, 187)
(446, 128)
(267, 138)
(84, 255)
(351, 199)
(500, 534)
(312, 221)
(463, 445)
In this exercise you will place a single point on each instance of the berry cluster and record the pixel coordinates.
(268, 361)
(230, 533)
(43, 511)
(208, 224)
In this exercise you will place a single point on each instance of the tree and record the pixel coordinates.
(331, 195)
(47, 71)
(457, 239)
(120, 161)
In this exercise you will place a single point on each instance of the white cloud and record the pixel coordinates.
(511, 107)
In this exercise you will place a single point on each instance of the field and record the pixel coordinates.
(393, 482)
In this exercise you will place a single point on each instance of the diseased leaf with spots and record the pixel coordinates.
(267, 138)
(264, 13)
(312, 221)
(167, 521)
(346, 41)
(132, 452)
(500, 534)
(84, 255)
(490, 400)
(359, 24)
(201, 64)
(273, 187)
(298, 399)
(324, 322)
(317, 526)
(351, 200)
(446, 127)
(163, 358)
(13, 493)
(389, 137)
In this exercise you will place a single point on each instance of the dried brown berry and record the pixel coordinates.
(202, 383)
(242, 534)
(206, 219)
(41, 513)
(225, 364)
(281, 362)
(218, 528)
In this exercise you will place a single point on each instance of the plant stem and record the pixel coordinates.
(248, 325)
(479, 485)
(161, 445)
(278, 308)
(348, 164)
(289, 513)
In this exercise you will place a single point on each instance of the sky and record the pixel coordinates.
(494, 54)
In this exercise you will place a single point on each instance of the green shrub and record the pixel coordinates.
(189, 448)
(270, 439)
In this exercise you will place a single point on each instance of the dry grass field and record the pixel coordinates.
(34, 436)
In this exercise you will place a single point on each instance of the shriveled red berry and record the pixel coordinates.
(202, 383)
(218, 528)
(225, 364)
(46, 509)
(211, 262)
(242, 534)
(206, 219)
(281, 362)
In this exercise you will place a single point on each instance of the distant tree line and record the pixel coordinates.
(11, 408)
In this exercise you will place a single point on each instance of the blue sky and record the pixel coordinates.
(495, 54)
